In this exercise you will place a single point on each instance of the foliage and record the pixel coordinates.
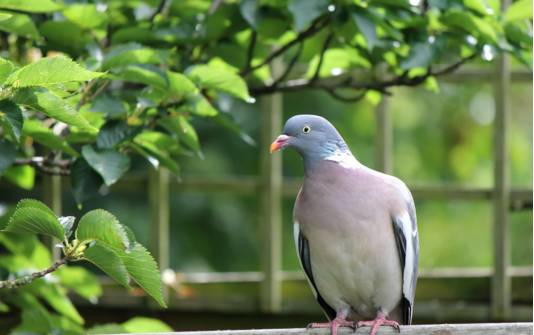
(144, 71)
(98, 238)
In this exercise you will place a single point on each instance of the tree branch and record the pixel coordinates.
(332, 83)
(290, 66)
(316, 26)
(47, 166)
(321, 57)
(161, 7)
(343, 98)
(14, 283)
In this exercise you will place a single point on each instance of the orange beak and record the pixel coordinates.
(279, 143)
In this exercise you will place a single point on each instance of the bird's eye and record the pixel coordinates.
(306, 129)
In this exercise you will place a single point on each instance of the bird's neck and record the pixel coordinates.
(337, 152)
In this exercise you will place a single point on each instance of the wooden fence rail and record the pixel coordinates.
(442, 329)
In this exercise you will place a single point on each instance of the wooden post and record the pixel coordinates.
(271, 202)
(158, 193)
(52, 198)
(501, 284)
(383, 137)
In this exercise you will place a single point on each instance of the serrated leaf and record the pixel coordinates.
(143, 269)
(32, 216)
(85, 15)
(19, 24)
(8, 154)
(305, 11)
(33, 6)
(13, 117)
(109, 163)
(220, 79)
(100, 225)
(85, 181)
(45, 136)
(107, 260)
(49, 71)
(42, 100)
(519, 10)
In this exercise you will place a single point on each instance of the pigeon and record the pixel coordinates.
(355, 231)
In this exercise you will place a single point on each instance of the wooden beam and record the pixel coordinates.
(158, 199)
(501, 285)
(441, 329)
(270, 188)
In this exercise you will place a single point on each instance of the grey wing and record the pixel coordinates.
(303, 251)
(406, 236)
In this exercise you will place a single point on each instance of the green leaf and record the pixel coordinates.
(226, 121)
(421, 55)
(220, 79)
(65, 36)
(250, 10)
(107, 260)
(141, 324)
(199, 105)
(469, 23)
(305, 11)
(179, 125)
(101, 225)
(32, 216)
(8, 153)
(19, 24)
(12, 117)
(158, 146)
(85, 15)
(113, 133)
(42, 100)
(45, 136)
(81, 281)
(22, 176)
(6, 67)
(3, 307)
(479, 6)
(110, 164)
(337, 61)
(57, 299)
(32, 6)
(108, 328)
(144, 74)
(519, 10)
(110, 106)
(366, 25)
(144, 271)
(132, 53)
(179, 85)
(85, 181)
(48, 71)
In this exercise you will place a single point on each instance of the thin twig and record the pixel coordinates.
(250, 51)
(321, 57)
(290, 65)
(18, 282)
(161, 6)
(316, 26)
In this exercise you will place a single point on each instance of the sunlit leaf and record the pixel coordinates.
(32, 216)
(100, 225)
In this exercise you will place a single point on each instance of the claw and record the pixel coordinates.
(376, 323)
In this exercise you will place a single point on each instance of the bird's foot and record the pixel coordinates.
(376, 323)
(334, 325)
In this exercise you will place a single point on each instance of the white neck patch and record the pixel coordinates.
(345, 159)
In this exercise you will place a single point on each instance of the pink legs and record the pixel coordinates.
(339, 321)
(380, 320)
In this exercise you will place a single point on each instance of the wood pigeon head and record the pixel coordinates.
(312, 136)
